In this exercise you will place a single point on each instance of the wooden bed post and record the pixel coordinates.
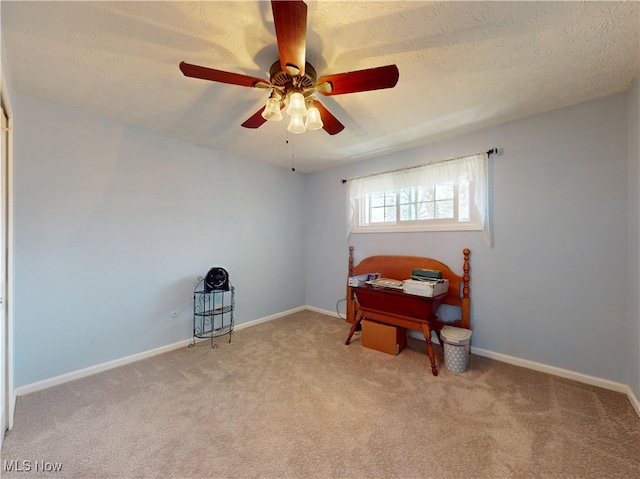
(466, 302)
(351, 307)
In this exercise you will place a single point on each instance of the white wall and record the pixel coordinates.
(553, 289)
(633, 337)
(113, 226)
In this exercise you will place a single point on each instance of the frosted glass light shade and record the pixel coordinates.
(296, 125)
(272, 110)
(296, 105)
(314, 122)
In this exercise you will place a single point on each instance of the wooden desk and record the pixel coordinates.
(397, 308)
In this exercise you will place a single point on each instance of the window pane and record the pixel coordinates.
(412, 203)
(390, 198)
(382, 207)
(390, 214)
(430, 211)
(428, 193)
(407, 195)
(377, 199)
(423, 194)
(377, 215)
(407, 212)
(444, 191)
(444, 209)
(424, 211)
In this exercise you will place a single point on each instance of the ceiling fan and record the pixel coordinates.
(293, 81)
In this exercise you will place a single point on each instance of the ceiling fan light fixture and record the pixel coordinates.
(296, 105)
(272, 110)
(314, 121)
(296, 124)
(292, 78)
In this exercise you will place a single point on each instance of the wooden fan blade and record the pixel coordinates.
(204, 73)
(290, 20)
(330, 123)
(256, 120)
(361, 80)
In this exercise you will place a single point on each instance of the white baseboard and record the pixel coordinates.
(545, 368)
(324, 311)
(238, 327)
(98, 368)
(564, 373)
(634, 400)
(555, 371)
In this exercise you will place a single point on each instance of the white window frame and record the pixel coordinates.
(472, 169)
(365, 225)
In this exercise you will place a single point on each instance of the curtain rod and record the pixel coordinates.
(492, 151)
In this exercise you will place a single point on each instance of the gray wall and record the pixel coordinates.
(554, 287)
(114, 224)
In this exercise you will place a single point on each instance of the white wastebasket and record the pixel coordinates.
(456, 348)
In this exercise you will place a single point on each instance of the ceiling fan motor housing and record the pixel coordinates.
(304, 84)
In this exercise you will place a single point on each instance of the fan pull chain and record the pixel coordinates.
(293, 153)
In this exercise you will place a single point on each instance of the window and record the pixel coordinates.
(445, 201)
(449, 195)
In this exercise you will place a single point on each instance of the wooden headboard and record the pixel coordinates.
(400, 267)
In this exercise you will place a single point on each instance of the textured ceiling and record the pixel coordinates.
(462, 65)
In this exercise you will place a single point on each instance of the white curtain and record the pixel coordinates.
(474, 167)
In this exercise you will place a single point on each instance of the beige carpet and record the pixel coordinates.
(288, 399)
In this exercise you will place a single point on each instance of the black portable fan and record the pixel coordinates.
(217, 279)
